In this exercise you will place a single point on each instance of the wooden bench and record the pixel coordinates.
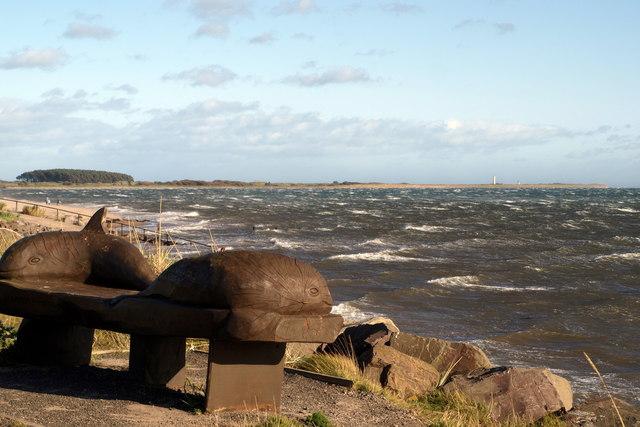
(247, 346)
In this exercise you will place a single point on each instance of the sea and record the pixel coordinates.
(533, 276)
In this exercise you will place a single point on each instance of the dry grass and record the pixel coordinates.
(7, 238)
(604, 384)
(33, 211)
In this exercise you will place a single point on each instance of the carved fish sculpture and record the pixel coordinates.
(89, 256)
(259, 288)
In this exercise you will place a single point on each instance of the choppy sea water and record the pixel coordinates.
(535, 277)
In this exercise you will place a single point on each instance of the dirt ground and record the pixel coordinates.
(103, 395)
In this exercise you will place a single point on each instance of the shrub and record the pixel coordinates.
(33, 211)
(318, 419)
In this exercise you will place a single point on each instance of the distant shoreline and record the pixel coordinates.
(135, 185)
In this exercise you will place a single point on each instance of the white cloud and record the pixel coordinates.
(192, 139)
(129, 89)
(303, 36)
(376, 52)
(78, 30)
(402, 8)
(216, 30)
(295, 6)
(504, 27)
(262, 38)
(207, 9)
(213, 75)
(44, 59)
(339, 75)
(468, 23)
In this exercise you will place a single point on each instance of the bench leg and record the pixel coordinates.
(244, 375)
(54, 343)
(158, 360)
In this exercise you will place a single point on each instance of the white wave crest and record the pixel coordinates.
(285, 244)
(352, 314)
(626, 256)
(373, 242)
(428, 228)
(474, 282)
(385, 256)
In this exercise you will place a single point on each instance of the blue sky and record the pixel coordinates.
(317, 91)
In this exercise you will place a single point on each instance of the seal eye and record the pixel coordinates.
(313, 291)
(34, 260)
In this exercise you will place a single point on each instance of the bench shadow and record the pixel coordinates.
(91, 382)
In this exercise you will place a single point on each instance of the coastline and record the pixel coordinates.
(253, 185)
(36, 219)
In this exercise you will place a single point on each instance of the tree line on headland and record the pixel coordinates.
(82, 177)
(74, 176)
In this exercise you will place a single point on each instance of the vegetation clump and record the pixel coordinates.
(33, 211)
(74, 176)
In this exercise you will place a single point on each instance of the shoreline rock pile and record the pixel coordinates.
(412, 365)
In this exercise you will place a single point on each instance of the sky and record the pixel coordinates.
(431, 92)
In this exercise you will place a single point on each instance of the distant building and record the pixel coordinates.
(494, 180)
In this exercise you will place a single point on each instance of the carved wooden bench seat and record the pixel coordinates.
(248, 304)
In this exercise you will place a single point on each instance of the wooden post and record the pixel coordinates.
(158, 360)
(54, 343)
(245, 375)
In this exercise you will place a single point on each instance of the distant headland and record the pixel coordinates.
(188, 183)
(85, 178)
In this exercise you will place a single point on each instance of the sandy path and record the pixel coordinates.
(57, 217)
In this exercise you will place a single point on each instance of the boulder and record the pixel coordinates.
(514, 393)
(600, 412)
(403, 374)
(440, 353)
(297, 350)
(357, 339)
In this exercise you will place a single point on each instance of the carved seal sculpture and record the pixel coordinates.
(89, 256)
(259, 288)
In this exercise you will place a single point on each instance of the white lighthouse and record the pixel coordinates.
(494, 180)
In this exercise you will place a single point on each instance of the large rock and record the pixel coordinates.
(403, 374)
(515, 393)
(298, 350)
(357, 339)
(440, 353)
(601, 413)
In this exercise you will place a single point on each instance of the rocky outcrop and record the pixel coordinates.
(413, 365)
(443, 355)
(356, 339)
(403, 374)
(601, 413)
(515, 393)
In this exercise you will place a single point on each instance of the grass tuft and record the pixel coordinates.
(278, 421)
(338, 365)
(33, 211)
(318, 419)
(604, 384)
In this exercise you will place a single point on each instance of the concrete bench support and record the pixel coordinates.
(54, 343)
(158, 360)
(245, 374)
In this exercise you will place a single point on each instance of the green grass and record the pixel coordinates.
(278, 421)
(7, 216)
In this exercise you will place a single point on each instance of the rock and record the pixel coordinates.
(601, 413)
(440, 353)
(515, 393)
(386, 321)
(403, 374)
(296, 350)
(357, 339)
